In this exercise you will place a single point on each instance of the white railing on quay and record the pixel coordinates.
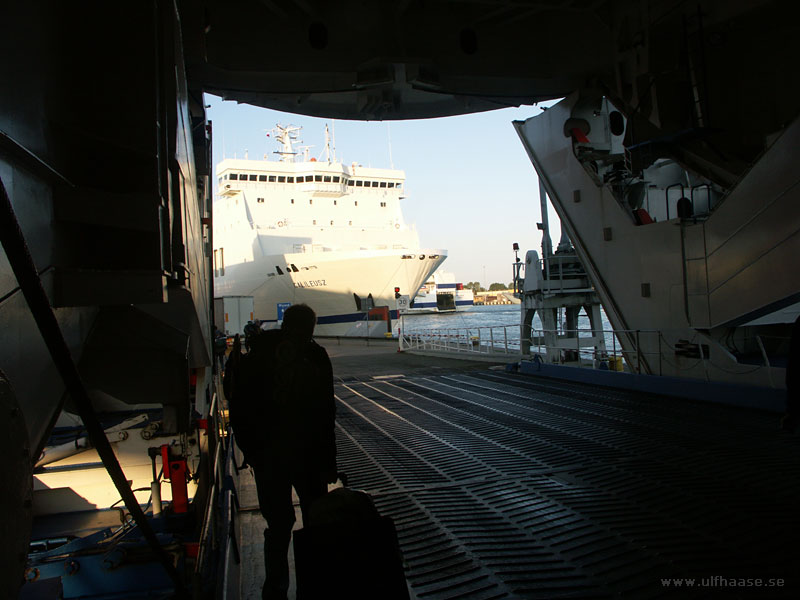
(494, 340)
(577, 347)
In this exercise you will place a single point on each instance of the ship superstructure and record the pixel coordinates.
(324, 233)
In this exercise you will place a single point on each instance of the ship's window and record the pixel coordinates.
(383, 204)
(216, 271)
(253, 177)
(290, 180)
(292, 201)
(314, 222)
(331, 222)
(359, 183)
(336, 179)
(272, 178)
(317, 177)
(294, 268)
(310, 201)
(351, 182)
(262, 177)
(374, 184)
(260, 200)
(234, 177)
(278, 269)
(309, 178)
(327, 179)
(399, 185)
(334, 202)
(281, 179)
(355, 203)
(383, 184)
(222, 261)
(391, 184)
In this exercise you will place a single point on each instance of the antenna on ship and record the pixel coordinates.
(327, 145)
(286, 136)
(333, 132)
(305, 150)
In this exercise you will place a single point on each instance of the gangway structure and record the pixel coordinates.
(557, 288)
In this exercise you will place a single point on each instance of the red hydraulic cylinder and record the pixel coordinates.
(177, 470)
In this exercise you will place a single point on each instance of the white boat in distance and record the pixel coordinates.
(317, 232)
(440, 294)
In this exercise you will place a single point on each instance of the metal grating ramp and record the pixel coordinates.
(503, 486)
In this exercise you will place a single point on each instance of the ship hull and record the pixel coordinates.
(337, 285)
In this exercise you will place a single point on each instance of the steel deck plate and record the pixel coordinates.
(504, 486)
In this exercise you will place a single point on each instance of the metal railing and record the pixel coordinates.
(494, 340)
(576, 347)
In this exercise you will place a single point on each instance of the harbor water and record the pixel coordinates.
(471, 317)
(500, 322)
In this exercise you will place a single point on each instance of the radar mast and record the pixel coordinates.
(286, 136)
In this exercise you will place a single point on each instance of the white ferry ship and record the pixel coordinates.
(318, 232)
(441, 294)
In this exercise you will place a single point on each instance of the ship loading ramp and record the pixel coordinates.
(502, 485)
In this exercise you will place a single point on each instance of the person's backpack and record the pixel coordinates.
(249, 388)
(221, 343)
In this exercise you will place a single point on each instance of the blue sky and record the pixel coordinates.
(471, 188)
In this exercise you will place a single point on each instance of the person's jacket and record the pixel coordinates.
(283, 407)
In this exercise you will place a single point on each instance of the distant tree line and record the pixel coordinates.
(476, 287)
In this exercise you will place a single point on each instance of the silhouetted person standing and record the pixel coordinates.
(283, 416)
(220, 348)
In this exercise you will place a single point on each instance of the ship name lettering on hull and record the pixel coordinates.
(311, 283)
